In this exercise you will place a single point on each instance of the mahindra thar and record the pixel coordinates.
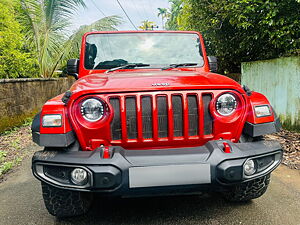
(149, 116)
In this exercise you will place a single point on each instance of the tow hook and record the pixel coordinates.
(106, 152)
(226, 147)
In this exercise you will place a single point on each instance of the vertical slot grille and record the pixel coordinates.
(193, 115)
(208, 121)
(131, 121)
(157, 124)
(177, 115)
(147, 117)
(115, 126)
(162, 113)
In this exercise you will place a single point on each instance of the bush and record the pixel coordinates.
(16, 59)
(244, 30)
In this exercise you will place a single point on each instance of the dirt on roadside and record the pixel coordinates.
(14, 147)
(290, 141)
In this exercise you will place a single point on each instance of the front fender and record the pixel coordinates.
(258, 126)
(62, 136)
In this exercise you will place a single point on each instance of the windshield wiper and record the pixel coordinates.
(127, 66)
(176, 65)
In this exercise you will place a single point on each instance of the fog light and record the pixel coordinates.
(79, 176)
(249, 167)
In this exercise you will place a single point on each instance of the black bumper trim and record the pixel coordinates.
(54, 140)
(255, 130)
(221, 165)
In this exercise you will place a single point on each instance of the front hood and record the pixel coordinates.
(136, 81)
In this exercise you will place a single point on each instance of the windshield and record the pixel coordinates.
(106, 51)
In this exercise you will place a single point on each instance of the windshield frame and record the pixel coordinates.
(83, 71)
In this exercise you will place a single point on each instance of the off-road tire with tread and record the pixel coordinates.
(249, 190)
(65, 203)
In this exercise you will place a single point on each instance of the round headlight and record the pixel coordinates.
(92, 109)
(226, 104)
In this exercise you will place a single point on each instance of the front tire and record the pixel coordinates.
(249, 190)
(65, 203)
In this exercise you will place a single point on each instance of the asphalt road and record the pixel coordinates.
(21, 203)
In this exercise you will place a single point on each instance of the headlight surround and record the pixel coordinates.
(226, 104)
(52, 120)
(92, 109)
(262, 111)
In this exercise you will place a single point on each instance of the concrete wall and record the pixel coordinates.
(22, 98)
(279, 80)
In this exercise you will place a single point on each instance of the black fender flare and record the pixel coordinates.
(35, 126)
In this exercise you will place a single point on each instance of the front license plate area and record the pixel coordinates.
(168, 175)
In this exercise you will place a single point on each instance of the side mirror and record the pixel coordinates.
(213, 63)
(73, 67)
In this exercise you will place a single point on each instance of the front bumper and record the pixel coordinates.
(150, 172)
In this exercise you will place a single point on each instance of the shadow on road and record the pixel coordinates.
(159, 210)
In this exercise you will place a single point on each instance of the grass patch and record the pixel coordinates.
(26, 122)
(11, 124)
(14, 144)
(5, 167)
(3, 154)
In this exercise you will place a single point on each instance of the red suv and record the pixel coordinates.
(148, 116)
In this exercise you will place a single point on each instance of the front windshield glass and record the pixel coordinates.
(106, 51)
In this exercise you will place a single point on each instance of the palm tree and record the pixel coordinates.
(74, 41)
(47, 23)
(176, 7)
(163, 12)
(147, 25)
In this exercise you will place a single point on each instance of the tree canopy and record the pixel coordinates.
(173, 17)
(47, 22)
(35, 40)
(242, 30)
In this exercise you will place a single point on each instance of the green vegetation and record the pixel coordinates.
(3, 154)
(173, 18)
(14, 145)
(241, 30)
(35, 39)
(15, 121)
(163, 13)
(16, 57)
(147, 25)
(290, 124)
(6, 166)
